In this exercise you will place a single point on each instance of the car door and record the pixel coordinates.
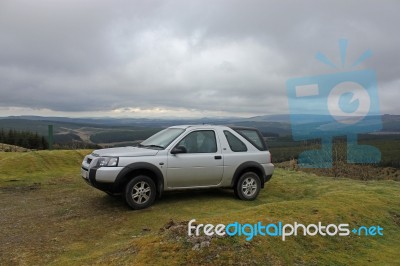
(200, 165)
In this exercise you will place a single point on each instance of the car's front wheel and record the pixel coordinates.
(248, 186)
(140, 192)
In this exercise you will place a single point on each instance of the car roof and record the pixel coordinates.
(198, 126)
(242, 128)
(208, 126)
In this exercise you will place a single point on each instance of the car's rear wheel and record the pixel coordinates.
(140, 192)
(248, 186)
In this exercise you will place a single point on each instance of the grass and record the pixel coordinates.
(50, 216)
(24, 168)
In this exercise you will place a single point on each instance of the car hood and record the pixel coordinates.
(125, 152)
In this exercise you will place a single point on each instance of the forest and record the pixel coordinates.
(26, 139)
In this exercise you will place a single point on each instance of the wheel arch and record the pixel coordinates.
(140, 168)
(250, 166)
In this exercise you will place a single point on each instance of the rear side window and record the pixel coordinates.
(235, 144)
(253, 137)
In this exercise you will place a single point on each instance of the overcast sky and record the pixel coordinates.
(184, 58)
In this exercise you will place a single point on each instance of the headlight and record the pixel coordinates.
(107, 161)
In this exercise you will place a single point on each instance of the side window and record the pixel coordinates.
(202, 141)
(253, 137)
(235, 144)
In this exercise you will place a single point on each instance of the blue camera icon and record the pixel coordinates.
(334, 105)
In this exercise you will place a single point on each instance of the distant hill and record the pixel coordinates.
(113, 130)
(124, 130)
(391, 123)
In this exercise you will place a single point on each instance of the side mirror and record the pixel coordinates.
(178, 149)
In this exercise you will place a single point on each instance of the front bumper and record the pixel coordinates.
(102, 178)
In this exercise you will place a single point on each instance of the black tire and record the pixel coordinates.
(140, 192)
(248, 186)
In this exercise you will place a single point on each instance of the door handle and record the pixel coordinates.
(218, 157)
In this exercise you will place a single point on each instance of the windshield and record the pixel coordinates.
(162, 139)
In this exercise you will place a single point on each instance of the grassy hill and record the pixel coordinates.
(108, 132)
(48, 215)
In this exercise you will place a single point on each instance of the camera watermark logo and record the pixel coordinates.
(343, 103)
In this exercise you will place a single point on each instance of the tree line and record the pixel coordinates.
(25, 139)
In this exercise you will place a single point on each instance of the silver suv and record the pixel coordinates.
(182, 157)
